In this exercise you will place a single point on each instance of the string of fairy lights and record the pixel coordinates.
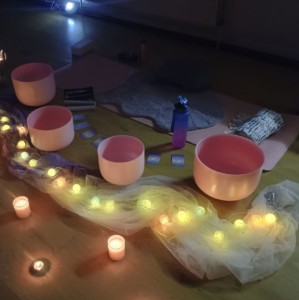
(182, 218)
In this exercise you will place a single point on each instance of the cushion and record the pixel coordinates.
(185, 73)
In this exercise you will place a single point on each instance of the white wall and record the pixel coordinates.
(270, 26)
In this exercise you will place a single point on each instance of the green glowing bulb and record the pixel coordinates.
(24, 155)
(200, 210)
(95, 202)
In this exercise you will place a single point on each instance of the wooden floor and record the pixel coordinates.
(34, 33)
(45, 35)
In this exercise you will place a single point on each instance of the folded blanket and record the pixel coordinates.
(145, 96)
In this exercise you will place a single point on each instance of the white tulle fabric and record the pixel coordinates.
(250, 253)
(183, 220)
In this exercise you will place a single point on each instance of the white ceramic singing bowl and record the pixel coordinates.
(121, 159)
(227, 167)
(34, 83)
(51, 128)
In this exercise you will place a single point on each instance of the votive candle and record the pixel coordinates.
(21, 206)
(116, 247)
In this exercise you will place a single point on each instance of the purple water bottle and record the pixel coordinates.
(179, 126)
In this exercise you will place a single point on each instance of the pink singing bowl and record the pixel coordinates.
(227, 167)
(121, 159)
(51, 128)
(34, 83)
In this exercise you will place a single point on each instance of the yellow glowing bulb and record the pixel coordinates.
(163, 219)
(183, 216)
(5, 128)
(25, 155)
(33, 162)
(21, 144)
(76, 188)
(147, 203)
(4, 119)
(218, 236)
(270, 218)
(200, 210)
(239, 224)
(95, 202)
(51, 172)
(110, 205)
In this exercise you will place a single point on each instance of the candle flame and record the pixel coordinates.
(38, 265)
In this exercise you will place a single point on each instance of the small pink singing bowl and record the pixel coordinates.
(51, 128)
(121, 159)
(227, 167)
(34, 83)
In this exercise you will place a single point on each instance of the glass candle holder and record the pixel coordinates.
(116, 247)
(22, 207)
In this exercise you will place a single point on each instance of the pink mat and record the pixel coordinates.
(104, 74)
(93, 70)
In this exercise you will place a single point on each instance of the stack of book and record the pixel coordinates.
(80, 98)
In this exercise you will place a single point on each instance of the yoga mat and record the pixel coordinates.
(105, 74)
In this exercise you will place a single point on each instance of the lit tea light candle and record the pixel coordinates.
(116, 247)
(40, 267)
(21, 206)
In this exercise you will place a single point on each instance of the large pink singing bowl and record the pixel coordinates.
(34, 83)
(121, 159)
(227, 167)
(51, 128)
